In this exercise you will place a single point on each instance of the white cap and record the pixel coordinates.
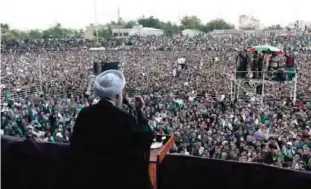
(109, 83)
(59, 135)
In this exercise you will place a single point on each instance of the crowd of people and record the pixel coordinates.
(196, 103)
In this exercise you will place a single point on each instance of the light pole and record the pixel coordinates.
(95, 19)
(40, 73)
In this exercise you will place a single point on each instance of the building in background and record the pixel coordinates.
(226, 33)
(300, 25)
(91, 30)
(257, 33)
(191, 32)
(247, 22)
(138, 30)
(119, 31)
(264, 32)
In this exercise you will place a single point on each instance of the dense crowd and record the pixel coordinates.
(196, 104)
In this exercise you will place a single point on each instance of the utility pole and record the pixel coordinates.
(95, 19)
(40, 74)
(119, 17)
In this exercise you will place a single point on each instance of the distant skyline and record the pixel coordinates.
(42, 14)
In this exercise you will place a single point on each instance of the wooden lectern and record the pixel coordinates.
(157, 156)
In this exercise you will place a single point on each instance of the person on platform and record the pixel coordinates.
(110, 147)
(242, 62)
(256, 66)
(290, 60)
(288, 71)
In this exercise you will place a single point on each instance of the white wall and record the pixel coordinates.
(121, 32)
(89, 30)
(136, 30)
(140, 31)
(191, 32)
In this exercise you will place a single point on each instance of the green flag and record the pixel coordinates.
(80, 106)
(6, 94)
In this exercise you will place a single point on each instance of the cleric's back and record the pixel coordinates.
(101, 124)
(107, 144)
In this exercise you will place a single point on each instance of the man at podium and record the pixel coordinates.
(110, 147)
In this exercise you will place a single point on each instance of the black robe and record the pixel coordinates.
(110, 148)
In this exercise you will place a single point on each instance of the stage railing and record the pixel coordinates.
(44, 164)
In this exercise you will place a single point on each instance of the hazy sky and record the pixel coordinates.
(28, 14)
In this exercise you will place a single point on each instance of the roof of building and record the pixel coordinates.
(192, 31)
(151, 29)
(121, 29)
(135, 29)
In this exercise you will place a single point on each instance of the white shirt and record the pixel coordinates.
(186, 153)
(111, 102)
(95, 101)
(158, 119)
(201, 150)
(191, 98)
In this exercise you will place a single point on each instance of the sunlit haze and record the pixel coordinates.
(29, 14)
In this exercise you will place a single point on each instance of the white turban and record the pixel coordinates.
(109, 83)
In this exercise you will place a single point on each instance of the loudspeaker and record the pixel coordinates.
(259, 89)
(103, 66)
(100, 67)
(110, 66)
(97, 69)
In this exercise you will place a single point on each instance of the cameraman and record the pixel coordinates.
(288, 151)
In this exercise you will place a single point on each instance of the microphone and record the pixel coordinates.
(126, 102)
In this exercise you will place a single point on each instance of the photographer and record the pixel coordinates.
(288, 151)
(273, 154)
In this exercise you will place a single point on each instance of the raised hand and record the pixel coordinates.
(139, 102)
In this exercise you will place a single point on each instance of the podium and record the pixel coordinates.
(157, 156)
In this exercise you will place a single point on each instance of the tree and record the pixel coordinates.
(169, 28)
(150, 22)
(104, 33)
(205, 28)
(130, 24)
(5, 27)
(53, 32)
(47, 34)
(113, 23)
(191, 22)
(10, 35)
(58, 31)
(22, 34)
(121, 21)
(219, 24)
(35, 34)
(79, 33)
